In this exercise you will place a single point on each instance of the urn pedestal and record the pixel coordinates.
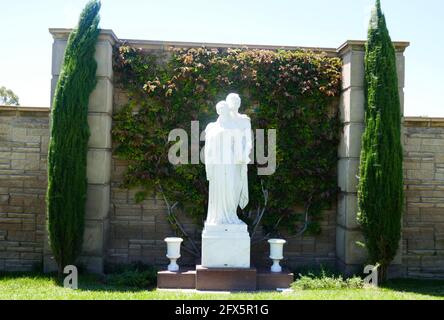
(173, 252)
(276, 253)
(225, 246)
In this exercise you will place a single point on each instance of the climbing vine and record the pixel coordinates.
(294, 92)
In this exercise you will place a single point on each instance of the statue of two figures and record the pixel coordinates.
(228, 143)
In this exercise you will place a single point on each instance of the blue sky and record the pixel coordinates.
(25, 54)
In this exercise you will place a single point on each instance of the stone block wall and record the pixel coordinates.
(423, 224)
(137, 230)
(24, 136)
(120, 231)
(304, 251)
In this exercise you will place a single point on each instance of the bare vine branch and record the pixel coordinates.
(178, 228)
(259, 216)
(297, 234)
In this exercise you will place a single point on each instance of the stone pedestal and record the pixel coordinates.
(226, 279)
(225, 265)
(182, 279)
(267, 280)
(225, 246)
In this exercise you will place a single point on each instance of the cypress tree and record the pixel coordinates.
(380, 190)
(67, 181)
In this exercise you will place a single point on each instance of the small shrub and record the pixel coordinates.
(326, 281)
(316, 271)
(355, 283)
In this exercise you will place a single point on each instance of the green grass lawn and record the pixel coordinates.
(25, 286)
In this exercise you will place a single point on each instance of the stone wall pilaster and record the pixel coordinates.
(350, 256)
(99, 149)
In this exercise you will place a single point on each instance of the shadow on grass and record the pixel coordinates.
(417, 286)
(87, 282)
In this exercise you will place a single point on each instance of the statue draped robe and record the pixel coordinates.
(226, 159)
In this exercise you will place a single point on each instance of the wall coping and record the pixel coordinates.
(408, 121)
(13, 111)
(184, 44)
(359, 45)
(63, 34)
(423, 122)
(108, 34)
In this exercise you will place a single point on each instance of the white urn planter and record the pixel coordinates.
(173, 252)
(276, 253)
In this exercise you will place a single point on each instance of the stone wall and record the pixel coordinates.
(137, 230)
(120, 231)
(423, 225)
(24, 138)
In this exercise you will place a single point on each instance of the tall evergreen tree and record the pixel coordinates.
(380, 190)
(67, 181)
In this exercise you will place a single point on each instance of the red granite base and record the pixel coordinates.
(267, 280)
(224, 279)
(183, 279)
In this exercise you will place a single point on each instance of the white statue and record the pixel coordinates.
(227, 148)
(244, 123)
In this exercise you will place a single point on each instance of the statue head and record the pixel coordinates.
(234, 101)
(222, 108)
